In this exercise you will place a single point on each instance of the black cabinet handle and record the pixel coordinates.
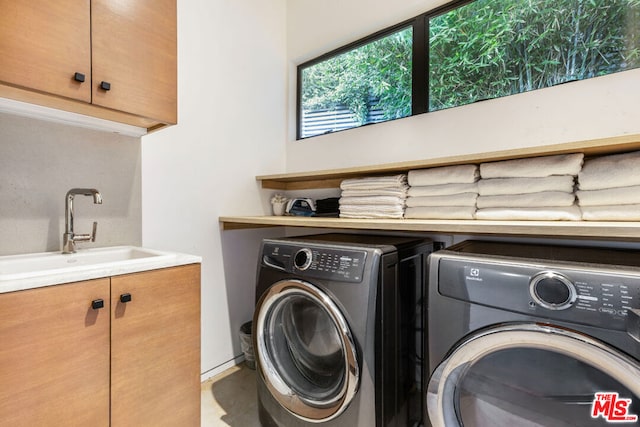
(97, 304)
(79, 77)
(105, 85)
(124, 298)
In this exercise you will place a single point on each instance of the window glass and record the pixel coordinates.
(306, 348)
(476, 50)
(367, 84)
(488, 49)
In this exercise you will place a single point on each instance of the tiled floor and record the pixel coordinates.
(229, 399)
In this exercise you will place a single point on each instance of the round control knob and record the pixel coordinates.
(552, 290)
(302, 259)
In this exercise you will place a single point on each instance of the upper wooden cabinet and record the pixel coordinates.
(129, 45)
(134, 51)
(44, 43)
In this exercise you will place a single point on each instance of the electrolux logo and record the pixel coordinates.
(613, 408)
(474, 274)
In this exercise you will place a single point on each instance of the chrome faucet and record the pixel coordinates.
(69, 238)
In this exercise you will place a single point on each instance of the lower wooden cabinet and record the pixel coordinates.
(54, 356)
(119, 351)
(155, 348)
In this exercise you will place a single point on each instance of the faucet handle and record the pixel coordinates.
(93, 232)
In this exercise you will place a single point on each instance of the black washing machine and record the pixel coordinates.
(337, 330)
(533, 335)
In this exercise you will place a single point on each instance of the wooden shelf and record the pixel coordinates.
(573, 229)
(331, 178)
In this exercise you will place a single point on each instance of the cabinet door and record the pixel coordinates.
(155, 348)
(43, 43)
(134, 50)
(54, 356)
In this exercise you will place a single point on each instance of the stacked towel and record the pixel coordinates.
(609, 188)
(534, 167)
(447, 192)
(568, 213)
(374, 197)
(458, 174)
(540, 188)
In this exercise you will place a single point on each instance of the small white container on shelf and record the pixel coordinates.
(279, 204)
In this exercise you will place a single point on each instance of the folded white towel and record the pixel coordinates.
(441, 212)
(533, 200)
(463, 199)
(570, 213)
(371, 211)
(371, 215)
(617, 170)
(376, 182)
(457, 174)
(500, 186)
(562, 164)
(442, 189)
(611, 213)
(372, 200)
(388, 191)
(609, 196)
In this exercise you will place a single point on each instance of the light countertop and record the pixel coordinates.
(27, 271)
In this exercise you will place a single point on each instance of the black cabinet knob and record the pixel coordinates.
(105, 85)
(97, 304)
(79, 77)
(124, 298)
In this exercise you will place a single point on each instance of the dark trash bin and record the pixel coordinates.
(246, 344)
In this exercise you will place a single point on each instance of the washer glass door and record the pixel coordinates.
(534, 375)
(305, 351)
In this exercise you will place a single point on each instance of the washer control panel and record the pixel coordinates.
(613, 296)
(318, 262)
(303, 259)
(552, 290)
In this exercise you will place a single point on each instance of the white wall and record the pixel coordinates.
(236, 72)
(595, 108)
(40, 161)
(231, 114)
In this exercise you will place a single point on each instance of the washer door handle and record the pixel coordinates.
(270, 262)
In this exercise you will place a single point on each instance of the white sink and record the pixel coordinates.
(48, 268)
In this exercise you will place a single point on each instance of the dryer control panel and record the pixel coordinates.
(601, 298)
(335, 264)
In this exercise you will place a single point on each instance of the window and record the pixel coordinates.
(366, 84)
(465, 52)
(487, 49)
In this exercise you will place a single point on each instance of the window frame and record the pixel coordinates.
(420, 62)
(354, 45)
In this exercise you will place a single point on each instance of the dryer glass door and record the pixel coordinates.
(534, 375)
(305, 351)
